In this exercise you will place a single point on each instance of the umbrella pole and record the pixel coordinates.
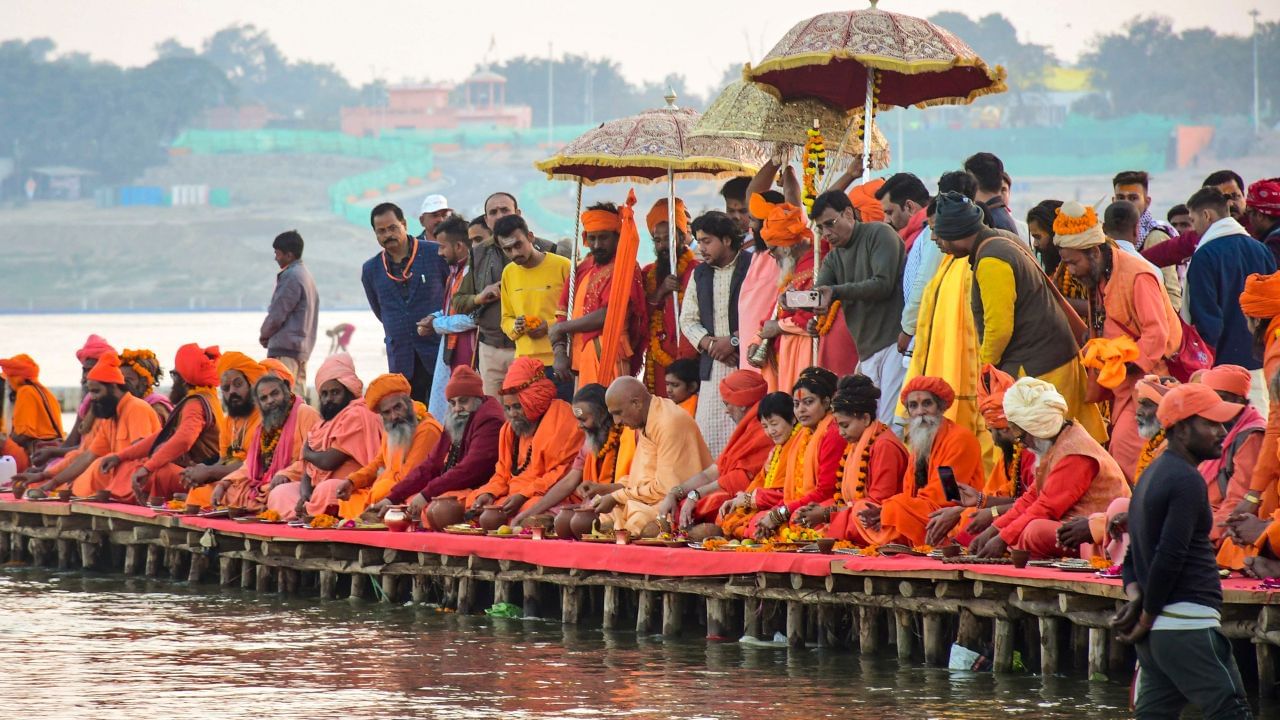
(867, 116)
(672, 245)
(573, 264)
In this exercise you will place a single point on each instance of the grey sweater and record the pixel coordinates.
(294, 313)
(866, 277)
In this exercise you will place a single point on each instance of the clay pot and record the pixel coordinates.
(396, 520)
(1020, 557)
(493, 517)
(443, 512)
(564, 519)
(584, 519)
(826, 545)
(102, 496)
(952, 550)
(155, 500)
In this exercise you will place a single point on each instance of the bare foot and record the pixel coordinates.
(1261, 568)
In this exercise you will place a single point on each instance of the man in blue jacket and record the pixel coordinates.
(405, 283)
(1225, 256)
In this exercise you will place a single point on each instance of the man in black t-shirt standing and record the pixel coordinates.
(1170, 574)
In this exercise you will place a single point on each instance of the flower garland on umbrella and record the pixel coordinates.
(815, 164)
(657, 357)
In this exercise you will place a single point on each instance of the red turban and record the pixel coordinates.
(1228, 378)
(1264, 196)
(93, 349)
(658, 214)
(277, 368)
(743, 388)
(241, 363)
(864, 200)
(992, 384)
(935, 385)
(107, 371)
(20, 367)
(464, 383)
(384, 386)
(594, 221)
(198, 366)
(340, 367)
(784, 224)
(527, 380)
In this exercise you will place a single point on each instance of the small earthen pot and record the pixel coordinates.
(493, 517)
(546, 522)
(64, 494)
(952, 550)
(155, 500)
(102, 496)
(563, 522)
(191, 510)
(396, 520)
(443, 512)
(1020, 557)
(584, 519)
(826, 545)
(621, 536)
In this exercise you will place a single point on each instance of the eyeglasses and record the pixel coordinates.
(828, 224)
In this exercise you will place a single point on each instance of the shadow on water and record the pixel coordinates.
(91, 646)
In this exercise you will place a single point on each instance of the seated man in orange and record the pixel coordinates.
(537, 445)
(274, 446)
(346, 440)
(36, 415)
(154, 466)
(237, 374)
(142, 376)
(1075, 476)
(597, 462)
(699, 498)
(935, 442)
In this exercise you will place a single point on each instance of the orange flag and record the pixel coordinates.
(624, 269)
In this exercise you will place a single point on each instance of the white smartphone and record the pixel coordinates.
(803, 298)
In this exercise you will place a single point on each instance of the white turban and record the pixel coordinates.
(1076, 226)
(1035, 406)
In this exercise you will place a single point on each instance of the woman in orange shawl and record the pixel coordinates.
(36, 414)
(777, 418)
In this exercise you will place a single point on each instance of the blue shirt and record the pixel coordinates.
(399, 305)
(1215, 280)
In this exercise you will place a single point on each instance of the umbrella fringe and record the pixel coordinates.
(918, 67)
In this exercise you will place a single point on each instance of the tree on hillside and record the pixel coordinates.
(995, 39)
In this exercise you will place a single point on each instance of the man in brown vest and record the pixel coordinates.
(1075, 477)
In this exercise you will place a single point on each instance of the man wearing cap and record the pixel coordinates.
(154, 466)
(347, 438)
(1262, 210)
(1075, 477)
(37, 417)
(665, 344)
(435, 208)
(1175, 595)
(1022, 327)
(1125, 301)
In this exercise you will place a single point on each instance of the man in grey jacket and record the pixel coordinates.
(289, 331)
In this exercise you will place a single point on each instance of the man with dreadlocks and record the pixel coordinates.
(141, 372)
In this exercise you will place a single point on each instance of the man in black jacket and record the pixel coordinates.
(1170, 574)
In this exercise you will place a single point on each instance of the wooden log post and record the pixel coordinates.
(502, 590)
(286, 581)
(153, 561)
(904, 633)
(89, 555)
(1098, 654)
(390, 588)
(263, 580)
(828, 633)
(450, 598)
(646, 601)
(130, 560)
(570, 604)
(752, 622)
(611, 608)
(228, 570)
(419, 589)
(795, 624)
(247, 573)
(359, 581)
(63, 549)
(533, 606)
(936, 644)
(1003, 660)
(718, 610)
(672, 613)
(1266, 655)
(1050, 641)
(465, 589)
(328, 584)
(869, 630)
(4, 547)
(199, 564)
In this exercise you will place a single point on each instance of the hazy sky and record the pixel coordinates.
(419, 39)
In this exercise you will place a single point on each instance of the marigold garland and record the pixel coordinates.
(1013, 470)
(323, 521)
(269, 516)
(531, 322)
(815, 164)
(790, 533)
(864, 464)
(775, 459)
(270, 440)
(135, 359)
(1148, 453)
(828, 320)
(657, 357)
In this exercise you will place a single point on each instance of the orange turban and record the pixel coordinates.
(1153, 387)
(273, 366)
(241, 363)
(198, 366)
(1261, 296)
(594, 221)
(527, 380)
(992, 384)
(864, 200)
(935, 385)
(19, 368)
(464, 383)
(658, 214)
(107, 371)
(1228, 378)
(93, 349)
(384, 386)
(340, 367)
(1108, 356)
(743, 388)
(784, 224)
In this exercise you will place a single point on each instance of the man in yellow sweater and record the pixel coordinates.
(530, 295)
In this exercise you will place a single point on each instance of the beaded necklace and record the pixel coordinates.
(775, 459)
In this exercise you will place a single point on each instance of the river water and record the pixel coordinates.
(76, 645)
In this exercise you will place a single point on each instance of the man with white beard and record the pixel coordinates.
(1074, 475)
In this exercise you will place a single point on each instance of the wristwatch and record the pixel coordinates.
(733, 340)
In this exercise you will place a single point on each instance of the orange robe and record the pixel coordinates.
(669, 450)
(529, 466)
(664, 331)
(165, 461)
(374, 480)
(690, 405)
(886, 463)
(249, 492)
(743, 458)
(355, 431)
(19, 454)
(793, 349)
(773, 475)
(903, 517)
(36, 413)
(134, 421)
(594, 283)
(233, 437)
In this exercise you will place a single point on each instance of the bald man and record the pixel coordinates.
(669, 450)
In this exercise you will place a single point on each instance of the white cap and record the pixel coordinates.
(433, 203)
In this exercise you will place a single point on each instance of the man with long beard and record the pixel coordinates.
(274, 446)
(154, 466)
(660, 286)
(934, 442)
(1075, 477)
(346, 440)
(237, 374)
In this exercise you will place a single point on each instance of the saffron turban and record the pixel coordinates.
(107, 371)
(342, 368)
(93, 349)
(658, 214)
(1261, 296)
(936, 386)
(1076, 227)
(273, 366)
(1264, 196)
(1109, 356)
(198, 366)
(743, 388)
(956, 217)
(1035, 406)
(464, 383)
(594, 221)
(784, 224)
(19, 368)
(1191, 399)
(1152, 388)
(864, 199)
(527, 380)
(1228, 378)
(992, 385)
(241, 363)
(385, 386)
